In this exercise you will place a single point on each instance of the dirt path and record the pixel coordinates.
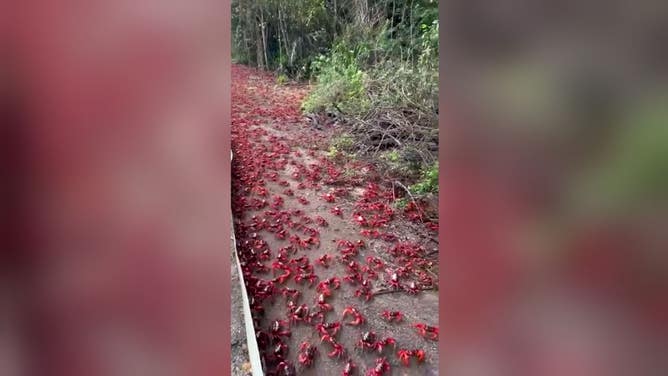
(281, 176)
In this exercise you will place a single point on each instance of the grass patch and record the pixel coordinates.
(428, 182)
(282, 79)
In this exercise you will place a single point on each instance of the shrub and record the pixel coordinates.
(281, 79)
(338, 87)
(429, 181)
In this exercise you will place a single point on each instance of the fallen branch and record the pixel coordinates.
(411, 196)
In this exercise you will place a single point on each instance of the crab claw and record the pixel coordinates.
(419, 354)
(337, 350)
(405, 356)
(328, 197)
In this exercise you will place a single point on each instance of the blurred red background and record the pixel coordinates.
(553, 188)
(124, 188)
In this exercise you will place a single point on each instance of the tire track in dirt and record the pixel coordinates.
(280, 176)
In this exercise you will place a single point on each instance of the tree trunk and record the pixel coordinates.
(334, 20)
(258, 39)
(361, 12)
(285, 36)
(394, 4)
(264, 38)
(258, 50)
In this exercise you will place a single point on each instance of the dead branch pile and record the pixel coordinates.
(384, 128)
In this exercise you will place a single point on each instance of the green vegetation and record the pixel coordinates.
(401, 203)
(343, 142)
(281, 79)
(340, 146)
(429, 181)
(373, 65)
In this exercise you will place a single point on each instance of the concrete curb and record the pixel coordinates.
(253, 350)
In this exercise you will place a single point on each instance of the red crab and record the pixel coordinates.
(313, 240)
(296, 241)
(278, 202)
(321, 221)
(306, 220)
(353, 267)
(278, 329)
(405, 356)
(279, 265)
(412, 288)
(322, 304)
(380, 345)
(300, 313)
(369, 272)
(260, 268)
(316, 314)
(337, 348)
(357, 316)
(329, 329)
(307, 353)
(375, 262)
(360, 220)
(261, 191)
(324, 260)
(310, 277)
(283, 277)
(337, 211)
(280, 351)
(302, 261)
(392, 316)
(425, 279)
(291, 293)
(302, 200)
(328, 197)
(259, 204)
(310, 230)
(344, 244)
(419, 355)
(374, 234)
(332, 282)
(348, 253)
(368, 341)
(364, 291)
(289, 192)
(265, 289)
(426, 331)
(285, 369)
(353, 278)
(349, 368)
(262, 339)
(382, 366)
(394, 280)
(282, 234)
(265, 255)
(390, 238)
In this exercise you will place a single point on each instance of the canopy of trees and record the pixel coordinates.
(289, 34)
(374, 64)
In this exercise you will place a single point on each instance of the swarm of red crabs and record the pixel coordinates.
(288, 285)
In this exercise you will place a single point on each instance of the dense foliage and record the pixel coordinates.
(374, 65)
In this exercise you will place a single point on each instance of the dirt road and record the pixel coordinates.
(294, 205)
